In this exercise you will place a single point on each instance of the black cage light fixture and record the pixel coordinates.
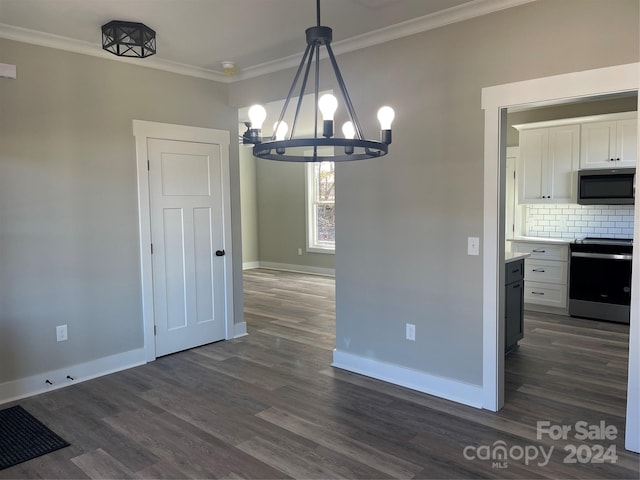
(128, 39)
(353, 146)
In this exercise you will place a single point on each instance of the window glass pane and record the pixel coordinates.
(325, 223)
(325, 174)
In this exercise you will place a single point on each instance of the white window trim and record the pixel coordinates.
(310, 224)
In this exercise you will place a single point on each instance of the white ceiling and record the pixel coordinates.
(196, 36)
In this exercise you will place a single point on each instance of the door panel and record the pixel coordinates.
(186, 229)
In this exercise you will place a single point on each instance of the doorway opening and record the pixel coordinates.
(496, 101)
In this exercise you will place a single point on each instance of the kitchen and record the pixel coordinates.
(574, 241)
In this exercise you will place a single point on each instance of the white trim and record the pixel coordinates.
(576, 120)
(459, 13)
(310, 214)
(36, 384)
(250, 265)
(142, 131)
(460, 392)
(240, 330)
(544, 91)
(287, 267)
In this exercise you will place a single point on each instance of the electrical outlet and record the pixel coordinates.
(411, 331)
(473, 246)
(299, 251)
(61, 333)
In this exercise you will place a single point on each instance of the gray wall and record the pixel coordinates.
(69, 245)
(273, 214)
(403, 220)
(249, 205)
(281, 216)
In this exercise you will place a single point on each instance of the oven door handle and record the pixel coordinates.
(605, 256)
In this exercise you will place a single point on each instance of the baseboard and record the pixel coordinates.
(239, 329)
(453, 390)
(250, 265)
(36, 384)
(327, 272)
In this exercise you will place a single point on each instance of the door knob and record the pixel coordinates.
(220, 253)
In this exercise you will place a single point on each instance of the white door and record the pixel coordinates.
(187, 235)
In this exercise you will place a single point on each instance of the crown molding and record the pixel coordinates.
(34, 37)
(449, 16)
(466, 11)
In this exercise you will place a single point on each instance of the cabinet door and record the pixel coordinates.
(562, 163)
(534, 145)
(598, 145)
(514, 313)
(626, 143)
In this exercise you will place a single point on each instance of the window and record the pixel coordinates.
(321, 209)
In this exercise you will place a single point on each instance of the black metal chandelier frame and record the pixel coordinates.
(357, 148)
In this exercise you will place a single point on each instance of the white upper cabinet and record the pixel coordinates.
(548, 163)
(610, 143)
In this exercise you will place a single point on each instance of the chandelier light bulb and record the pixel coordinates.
(328, 104)
(280, 130)
(385, 117)
(348, 131)
(257, 115)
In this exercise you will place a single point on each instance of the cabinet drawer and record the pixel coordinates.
(514, 271)
(547, 271)
(545, 294)
(542, 251)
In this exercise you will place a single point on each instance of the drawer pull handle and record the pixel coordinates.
(539, 251)
(515, 271)
(537, 293)
(538, 270)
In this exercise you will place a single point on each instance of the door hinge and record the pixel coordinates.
(148, 165)
(152, 249)
(155, 330)
(514, 174)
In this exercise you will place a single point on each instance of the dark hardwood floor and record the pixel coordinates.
(269, 405)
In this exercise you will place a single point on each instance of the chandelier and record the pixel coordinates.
(323, 146)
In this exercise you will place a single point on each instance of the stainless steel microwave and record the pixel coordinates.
(611, 186)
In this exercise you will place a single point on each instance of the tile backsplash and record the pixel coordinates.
(573, 221)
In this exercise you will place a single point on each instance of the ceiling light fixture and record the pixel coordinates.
(128, 39)
(323, 147)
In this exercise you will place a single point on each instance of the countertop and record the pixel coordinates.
(550, 240)
(515, 256)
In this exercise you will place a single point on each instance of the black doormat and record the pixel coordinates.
(23, 437)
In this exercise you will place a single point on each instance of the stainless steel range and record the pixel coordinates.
(600, 279)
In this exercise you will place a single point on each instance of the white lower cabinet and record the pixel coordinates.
(549, 294)
(545, 275)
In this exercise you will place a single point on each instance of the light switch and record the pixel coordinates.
(473, 246)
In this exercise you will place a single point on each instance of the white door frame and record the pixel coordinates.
(142, 131)
(495, 101)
